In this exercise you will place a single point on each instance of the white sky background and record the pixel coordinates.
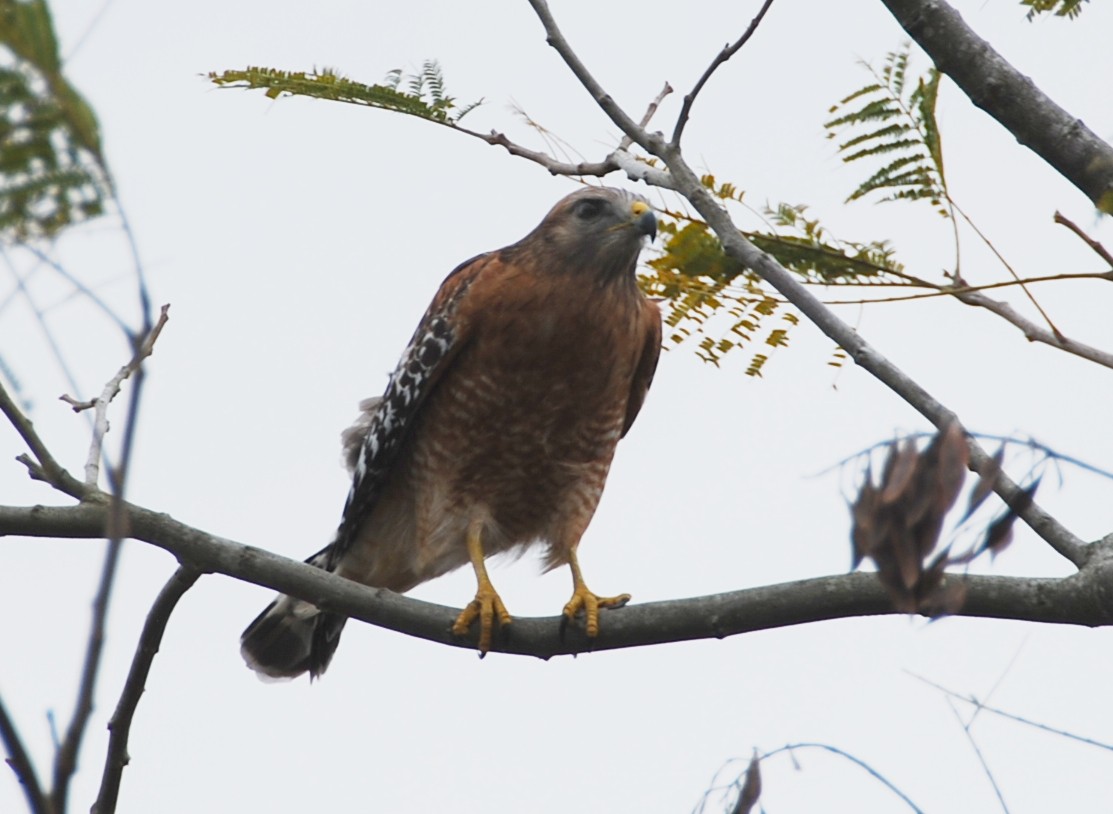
(298, 243)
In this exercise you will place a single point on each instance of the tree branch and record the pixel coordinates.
(21, 764)
(687, 183)
(48, 468)
(728, 51)
(65, 759)
(99, 405)
(120, 724)
(982, 707)
(650, 111)
(651, 143)
(995, 86)
(1085, 598)
(1099, 249)
(1032, 332)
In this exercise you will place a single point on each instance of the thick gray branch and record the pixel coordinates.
(1013, 99)
(1085, 598)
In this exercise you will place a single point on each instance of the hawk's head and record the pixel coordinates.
(596, 229)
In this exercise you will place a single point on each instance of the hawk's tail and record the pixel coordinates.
(292, 636)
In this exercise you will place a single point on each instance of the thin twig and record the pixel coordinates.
(688, 184)
(1000, 257)
(52, 472)
(627, 142)
(65, 758)
(606, 102)
(82, 289)
(791, 748)
(596, 169)
(120, 725)
(110, 391)
(981, 758)
(1102, 252)
(728, 51)
(1033, 332)
(1031, 443)
(21, 764)
(40, 317)
(137, 263)
(969, 699)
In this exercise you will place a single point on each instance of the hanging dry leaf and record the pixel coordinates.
(985, 484)
(897, 522)
(751, 788)
(1000, 531)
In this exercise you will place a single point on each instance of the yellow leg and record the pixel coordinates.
(487, 603)
(583, 599)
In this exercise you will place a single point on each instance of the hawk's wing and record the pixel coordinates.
(380, 433)
(647, 364)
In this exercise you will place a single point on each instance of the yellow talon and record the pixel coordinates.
(487, 604)
(590, 603)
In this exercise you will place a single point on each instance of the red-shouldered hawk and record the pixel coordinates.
(497, 428)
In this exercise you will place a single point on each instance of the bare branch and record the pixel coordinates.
(1032, 331)
(111, 390)
(728, 51)
(1102, 252)
(596, 169)
(1008, 266)
(687, 183)
(651, 143)
(791, 748)
(80, 288)
(1080, 599)
(120, 724)
(48, 468)
(650, 111)
(1014, 100)
(21, 764)
(981, 707)
(65, 758)
(978, 754)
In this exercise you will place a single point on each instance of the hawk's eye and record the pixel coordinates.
(589, 208)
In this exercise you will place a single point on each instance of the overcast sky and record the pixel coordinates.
(298, 242)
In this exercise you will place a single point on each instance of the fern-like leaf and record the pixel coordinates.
(713, 299)
(1060, 8)
(426, 97)
(895, 119)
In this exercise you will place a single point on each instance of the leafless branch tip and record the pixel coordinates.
(729, 50)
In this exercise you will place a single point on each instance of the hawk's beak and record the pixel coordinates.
(644, 220)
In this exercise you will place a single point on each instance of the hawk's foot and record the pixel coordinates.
(583, 599)
(487, 607)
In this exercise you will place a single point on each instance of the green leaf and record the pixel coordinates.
(1060, 8)
(426, 99)
(892, 117)
(51, 168)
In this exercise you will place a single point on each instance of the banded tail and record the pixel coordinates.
(292, 636)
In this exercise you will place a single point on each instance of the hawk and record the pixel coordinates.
(496, 430)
